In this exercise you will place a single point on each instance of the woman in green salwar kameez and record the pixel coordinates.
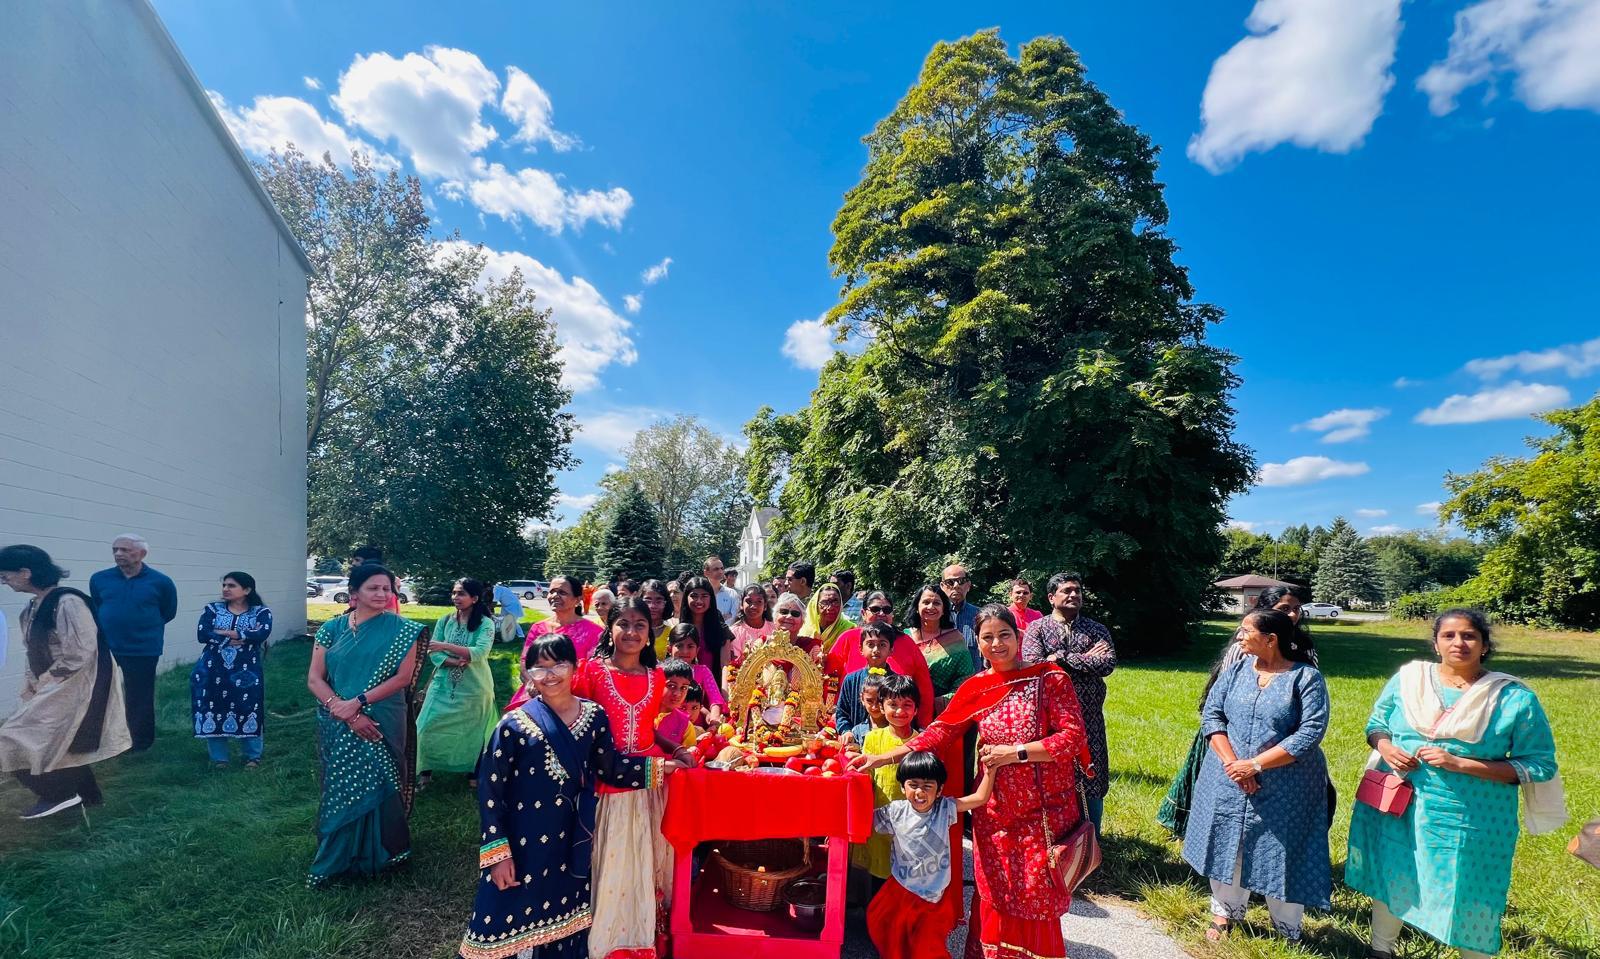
(363, 668)
(458, 709)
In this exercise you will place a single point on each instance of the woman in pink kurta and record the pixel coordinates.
(585, 634)
(1032, 731)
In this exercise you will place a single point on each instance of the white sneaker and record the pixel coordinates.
(45, 808)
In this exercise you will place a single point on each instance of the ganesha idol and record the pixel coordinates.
(777, 695)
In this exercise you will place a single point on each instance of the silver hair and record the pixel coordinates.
(133, 538)
(787, 598)
(602, 591)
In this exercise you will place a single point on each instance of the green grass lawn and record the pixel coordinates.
(319, 612)
(186, 862)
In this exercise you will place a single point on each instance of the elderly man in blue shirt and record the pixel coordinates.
(135, 604)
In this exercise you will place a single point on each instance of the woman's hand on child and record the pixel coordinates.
(865, 763)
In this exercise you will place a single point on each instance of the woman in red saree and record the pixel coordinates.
(1032, 731)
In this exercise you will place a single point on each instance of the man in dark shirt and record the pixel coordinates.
(135, 604)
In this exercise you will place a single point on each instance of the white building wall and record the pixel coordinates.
(152, 323)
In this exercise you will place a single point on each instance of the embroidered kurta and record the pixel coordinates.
(1445, 866)
(1282, 830)
(54, 704)
(949, 661)
(226, 687)
(528, 808)
(361, 821)
(1010, 848)
(458, 712)
(1070, 644)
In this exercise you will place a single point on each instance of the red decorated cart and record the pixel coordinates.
(710, 805)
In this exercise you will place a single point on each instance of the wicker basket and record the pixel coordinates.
(746, 884)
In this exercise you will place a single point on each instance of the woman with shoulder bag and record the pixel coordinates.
(1465, 739)
(1033, 737)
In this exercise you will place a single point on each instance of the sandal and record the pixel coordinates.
(219, 765)
(253, 764)
(1219, 930)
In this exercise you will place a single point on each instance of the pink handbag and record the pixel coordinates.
(1385, 792)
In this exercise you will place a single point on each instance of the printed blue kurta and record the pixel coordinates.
(1445, 866)
(226, 685)
(1281, 831)
(528, 804)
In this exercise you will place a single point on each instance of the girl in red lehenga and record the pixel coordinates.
(1032, 730)
(632, 866)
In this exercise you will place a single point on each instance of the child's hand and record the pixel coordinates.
(504, 874)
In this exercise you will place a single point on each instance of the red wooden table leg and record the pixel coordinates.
(682, 890)
(833, 913)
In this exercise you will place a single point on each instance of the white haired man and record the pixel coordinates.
(135, 603)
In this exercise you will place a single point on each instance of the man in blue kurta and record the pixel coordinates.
(135, 604)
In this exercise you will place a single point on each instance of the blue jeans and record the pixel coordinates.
(250, 746)
(1097, 810)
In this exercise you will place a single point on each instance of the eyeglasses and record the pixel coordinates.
(956, 580)
(541, 673)
(880, 610)
(654, 601)
(791, 613)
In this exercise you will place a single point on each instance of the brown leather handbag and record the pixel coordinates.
(1586, 844)
(1074, 856)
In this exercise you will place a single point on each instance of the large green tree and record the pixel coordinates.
(1540, 518)
(434, 426)
(1035, 390)
(1346, 569)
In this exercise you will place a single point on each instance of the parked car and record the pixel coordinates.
(527, 588)
(404, 590)
(313, 588)
(335, 588)
(1320, 611)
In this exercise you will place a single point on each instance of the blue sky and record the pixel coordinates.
(1394, 203)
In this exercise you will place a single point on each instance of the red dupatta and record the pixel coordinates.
(984, 692)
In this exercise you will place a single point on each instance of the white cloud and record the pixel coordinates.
(272, 123)
(1573, 359)
(592, 335)
(633, 302)
(1388, 529)
(1307, 469)
(613, 468)
(1243, 525)
(657, 273)
(526, 103)
(312, 83)
(431, 104)
(608, 431)
(1372, 513)
(1405, 382)
(1341, 426)
(1552, 47)
(1429, 509)
(579, 503)
(1313, 73)
(809, 343)
(1511, 401)
(540, 197)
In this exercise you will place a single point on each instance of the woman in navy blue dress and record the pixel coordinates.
(537, 802)
(226, 685)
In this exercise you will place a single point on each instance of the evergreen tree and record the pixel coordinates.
(1296, 536)
(1398, 568)
(1346, 569)
(632, 545)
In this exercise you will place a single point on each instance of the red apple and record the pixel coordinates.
(813, 771)
(797, 764)
(832, 766)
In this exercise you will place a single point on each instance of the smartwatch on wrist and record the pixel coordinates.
(362, 699)
(1256, 765)
(1022, 753)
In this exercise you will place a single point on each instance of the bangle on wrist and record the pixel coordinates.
(331, 698)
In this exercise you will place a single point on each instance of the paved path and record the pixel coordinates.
(1101, 927)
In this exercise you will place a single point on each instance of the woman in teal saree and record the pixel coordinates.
(363, 673)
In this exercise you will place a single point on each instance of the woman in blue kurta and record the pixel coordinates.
(226, 688)
(363, 671)
(1259, 821)
(537, 803)
(1465, 739)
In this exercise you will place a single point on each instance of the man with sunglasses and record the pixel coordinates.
(955, 582)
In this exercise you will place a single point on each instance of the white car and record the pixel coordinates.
(1320, 611)
(336, 589)
(529, 589)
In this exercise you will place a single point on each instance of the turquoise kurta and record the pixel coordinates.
(1445, 866)
(458, 710)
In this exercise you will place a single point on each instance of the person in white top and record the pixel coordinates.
(727, 599)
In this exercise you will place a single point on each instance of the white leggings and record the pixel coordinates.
(1386, 928)
(1229, 901)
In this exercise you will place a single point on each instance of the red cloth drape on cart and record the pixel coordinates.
(720, 804)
